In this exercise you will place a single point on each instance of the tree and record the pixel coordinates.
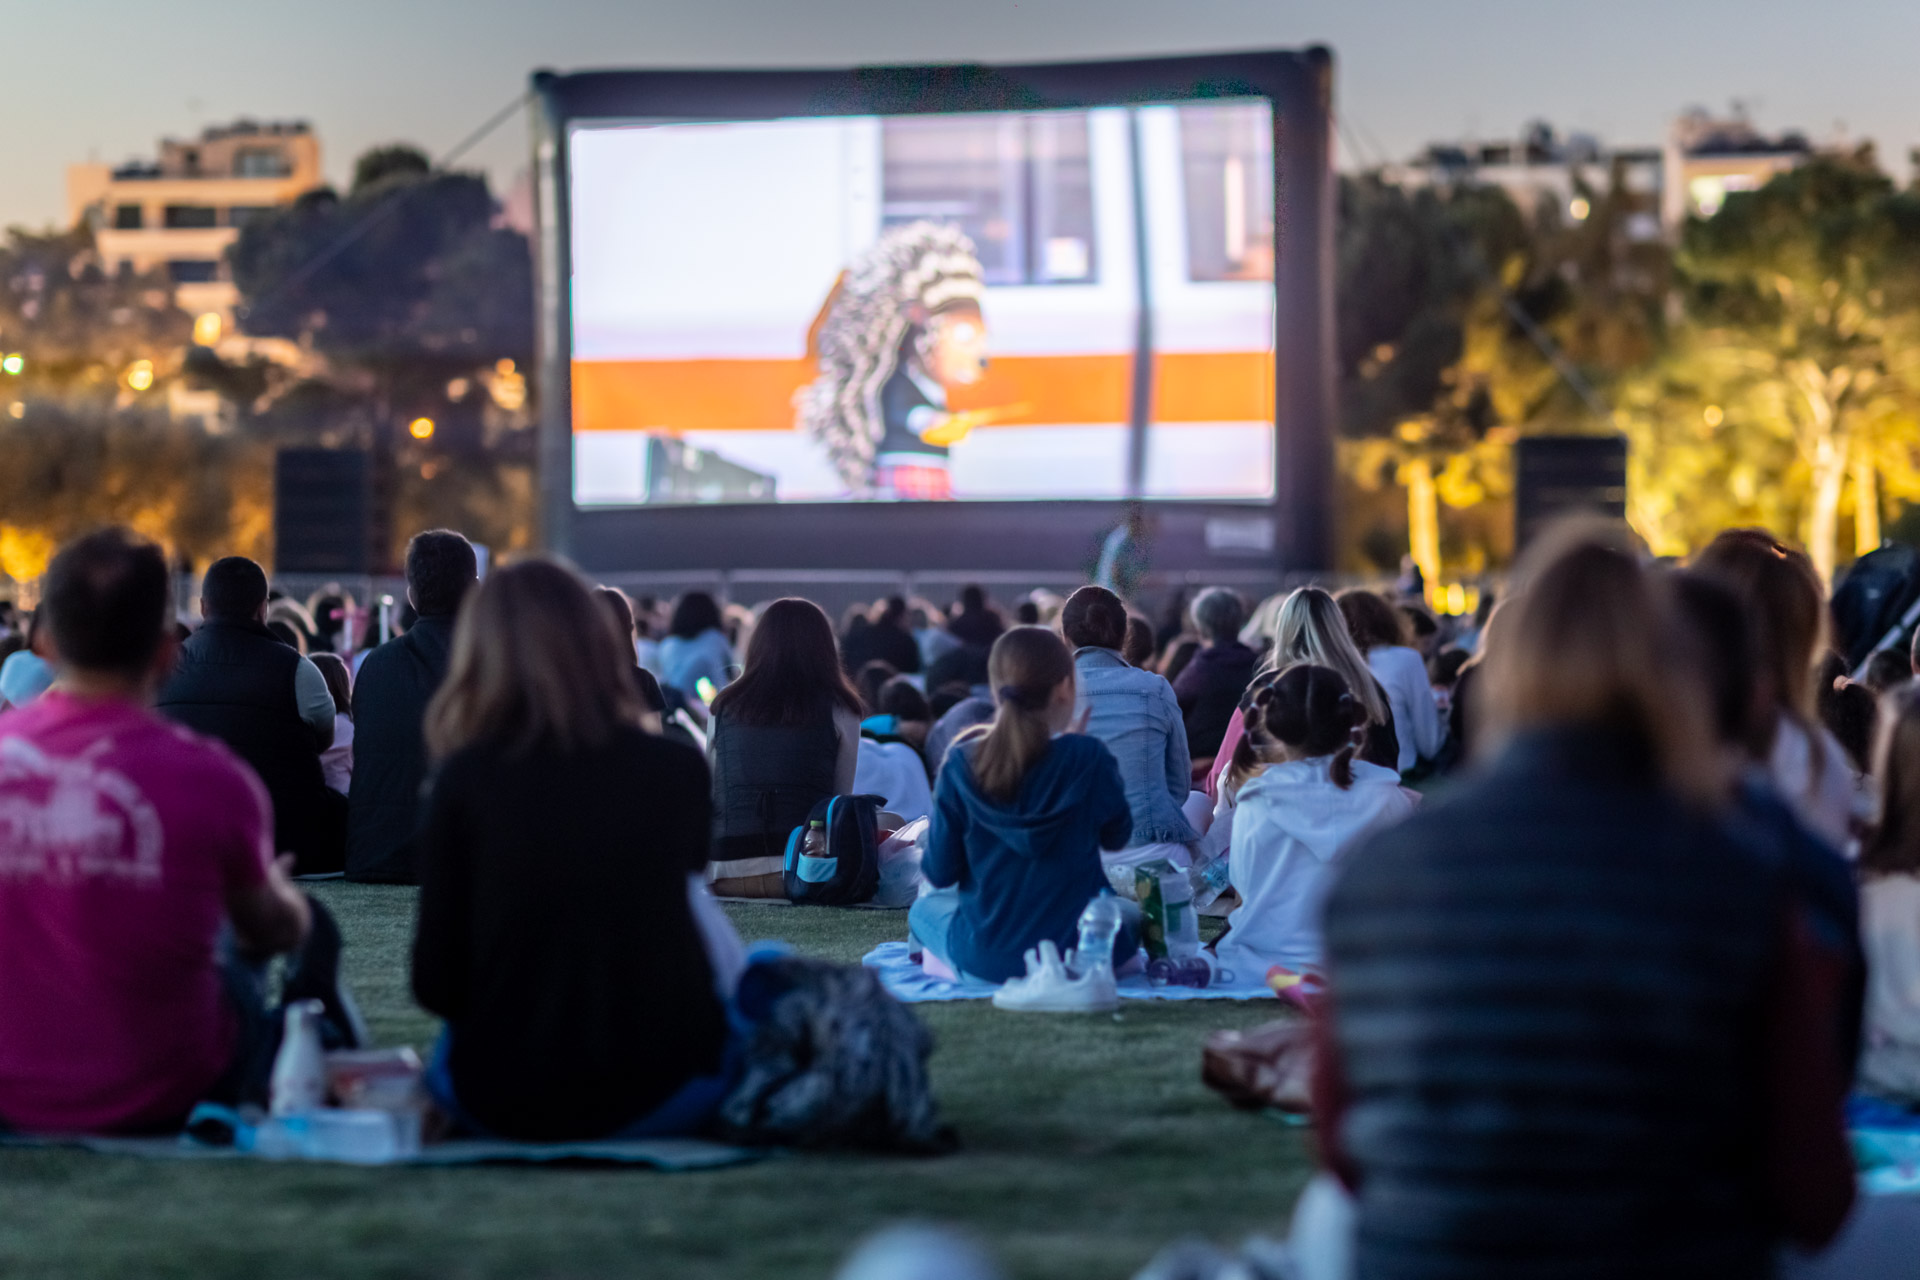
(1802, 324)
(67, 468)
(412, 303)
(78, 328)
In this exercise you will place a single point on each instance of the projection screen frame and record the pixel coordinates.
(1056, 535)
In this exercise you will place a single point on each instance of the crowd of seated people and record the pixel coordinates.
(1651, 799)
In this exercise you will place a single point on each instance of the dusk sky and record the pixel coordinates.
(103, 79)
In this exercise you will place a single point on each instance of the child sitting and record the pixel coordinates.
(1890, 911)
(1300, 800)
(1020, 814)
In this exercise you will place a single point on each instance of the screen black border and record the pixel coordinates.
(1063, 535)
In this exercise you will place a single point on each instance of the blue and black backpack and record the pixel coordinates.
(850, 871)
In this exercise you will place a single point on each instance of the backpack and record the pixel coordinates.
(850, 871)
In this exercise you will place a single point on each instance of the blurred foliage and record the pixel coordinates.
(65, 470)
(1445, 295)
(1765, 371)
(1795, 367)
(77, 327)
(403, 299)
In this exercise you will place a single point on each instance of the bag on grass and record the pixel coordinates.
(832, 1061)
(847, 869)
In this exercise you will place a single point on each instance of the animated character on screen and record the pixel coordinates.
(901, 327)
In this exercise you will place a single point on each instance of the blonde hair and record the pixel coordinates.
(1893, 847)
(1312, 629)
(1025, 666)
(537, 663)
(1594, 640)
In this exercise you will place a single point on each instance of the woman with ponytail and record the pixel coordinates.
(1301, 799)
(1020, 814)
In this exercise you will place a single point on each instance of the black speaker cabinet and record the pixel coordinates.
(327, 512)
(1557, 476)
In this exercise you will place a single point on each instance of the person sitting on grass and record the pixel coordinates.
(1210, 685)
(557, 934)
(390, 696)
(1379, 632)
(1309, 627)
(239, 681)
(140, 898)
(696, 649)
(1300, 801)
(786, 735)
(336, 762)
(1137, 716)
(1890, 910)
(1573, 1026)
(1020, 815)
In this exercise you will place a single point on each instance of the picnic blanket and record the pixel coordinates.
(1886, 1145)
(671, 1155)
(901, 975)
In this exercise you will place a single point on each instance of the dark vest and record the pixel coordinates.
(1548, 992)
(390, 698)
(766, 778)
(235, 682)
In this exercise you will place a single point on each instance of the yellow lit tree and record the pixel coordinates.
(1798, 348)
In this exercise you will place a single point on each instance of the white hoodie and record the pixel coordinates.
(1290, 824)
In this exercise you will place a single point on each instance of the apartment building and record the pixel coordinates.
(179, 213)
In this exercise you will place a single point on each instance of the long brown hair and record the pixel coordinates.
(1025, 666)
(792, 669)
(536, 665)
(1371, 621)
(1783, 596)
(1893, 847)
(1591, 641)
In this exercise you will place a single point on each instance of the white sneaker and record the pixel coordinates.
(1050, 987)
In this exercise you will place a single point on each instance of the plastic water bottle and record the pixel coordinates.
(1209, 878)
(815, 843)
(1099, 930)
(299, 1080)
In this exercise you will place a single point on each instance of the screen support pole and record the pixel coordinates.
(554, 332)
(1140, 406)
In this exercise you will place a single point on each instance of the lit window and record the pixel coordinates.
(1226, 155)
(1018, 185)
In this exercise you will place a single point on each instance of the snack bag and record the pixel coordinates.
(1170, 927)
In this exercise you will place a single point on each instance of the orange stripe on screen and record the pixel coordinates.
(757, 395)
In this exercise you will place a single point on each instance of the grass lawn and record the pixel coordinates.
(1086, 1144)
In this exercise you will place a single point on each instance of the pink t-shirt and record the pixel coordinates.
(120, 836)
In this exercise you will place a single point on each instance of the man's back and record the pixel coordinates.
(121, 838)
(236, 682)
(390, 755)
(1548, 1001)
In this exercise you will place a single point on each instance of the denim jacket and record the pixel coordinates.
(1135, 713)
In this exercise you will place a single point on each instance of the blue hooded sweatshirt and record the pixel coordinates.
(1025, 870)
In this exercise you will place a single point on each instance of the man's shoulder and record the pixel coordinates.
(137, 738)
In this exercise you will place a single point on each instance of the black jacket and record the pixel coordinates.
(1209, 690)
(556, 938)
(235, 682)
(1548, 994)
(389, 754)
